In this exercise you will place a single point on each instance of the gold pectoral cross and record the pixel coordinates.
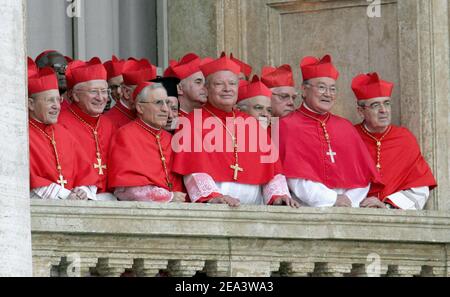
(236, 168)
(61, 181)
(331, 154)
(99, 166)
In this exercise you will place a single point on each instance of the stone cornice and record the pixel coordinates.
(220, 221)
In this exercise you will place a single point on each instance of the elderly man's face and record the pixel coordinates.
(59, 64)
(223, 90)
(91, 97)
(283, 99)
(155, 109)
(45, 106)
(172, 118)
(193, 88)
(376, 113)
(260, 108)
(320, 94)
(114, 85)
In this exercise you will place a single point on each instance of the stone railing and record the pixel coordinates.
(73, 238)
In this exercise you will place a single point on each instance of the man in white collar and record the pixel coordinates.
(83, 118)
(145, 174)
(405, 173)
(324, 159)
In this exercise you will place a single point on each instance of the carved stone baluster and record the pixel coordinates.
(42, 266)
(113, 267)
(217, 268)
(185, 268)
(324, 269)
(403, 270)
(293, 269)
(148, 267)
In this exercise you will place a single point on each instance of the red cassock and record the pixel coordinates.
(217, 163)
(120, 115)
(402, 164)
(75, 167)
(85, 136)
(135, 159)
(65, 105)
(303, 151)
(182, 113)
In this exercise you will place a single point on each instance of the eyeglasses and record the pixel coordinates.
(53, 100)
(94, 92)
(376, 106)
(285, 97)
(159, 103)
(323, 89)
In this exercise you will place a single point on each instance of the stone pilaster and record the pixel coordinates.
(15, 239)
(425, 85)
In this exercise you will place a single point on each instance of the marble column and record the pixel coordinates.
(15, 231)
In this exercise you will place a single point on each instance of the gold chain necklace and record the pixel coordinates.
(378, 143)
(99, 164)
(163, 159)
(234, 167)
(61, 179)
(325, 133)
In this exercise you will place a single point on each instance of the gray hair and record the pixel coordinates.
(141, 97)
(242, 105)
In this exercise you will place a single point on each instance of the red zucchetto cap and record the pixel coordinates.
(140, 87)
(368, 86)
(135, 72)
(187, 66)
(222, 64)
(274, 77)
(79, 71)
(42, 80)
(312, 67)
(169, 70)
(31, 67)
(206, 60)
(114, 67)
(245, 68)
(253, 89)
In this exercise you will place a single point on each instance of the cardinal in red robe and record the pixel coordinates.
(84, 117)
(191, 89)
(324, 159)
(220, 156)
(406, 176)
(59, 168)
(145, 174)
